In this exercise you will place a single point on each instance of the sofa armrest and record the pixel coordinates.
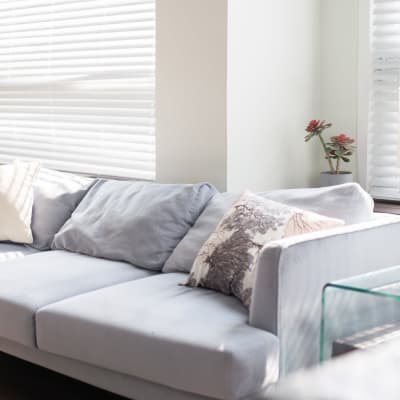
(292, 272)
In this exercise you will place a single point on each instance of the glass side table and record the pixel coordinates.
(360, 312)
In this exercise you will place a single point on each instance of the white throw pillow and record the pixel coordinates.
(16, 201)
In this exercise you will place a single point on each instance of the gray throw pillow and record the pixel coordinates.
(137, 222)
(183, 256)
(56, 195)
(348, 202)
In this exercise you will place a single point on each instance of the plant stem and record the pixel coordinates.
(337, 166)
(326, 153)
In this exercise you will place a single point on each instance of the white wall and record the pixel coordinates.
(191, 91)
(273, 90)
(236, 83)
(339, 67)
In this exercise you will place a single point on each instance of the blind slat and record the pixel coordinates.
(95, 13)
(88, 127)
(22, 133)
(86, 112)
(21, 5)
(115, 153)
(73, 9)
(91, 169)
(61, 34)
(82, 65)
(96, 159)
(142, 151)
(139, 38)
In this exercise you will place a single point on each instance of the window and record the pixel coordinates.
(384, 121)
(77, 82)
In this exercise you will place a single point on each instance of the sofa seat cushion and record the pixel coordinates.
(27, 284)
(193, 340)
(10, 251)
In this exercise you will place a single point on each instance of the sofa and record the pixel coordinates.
(140, 333)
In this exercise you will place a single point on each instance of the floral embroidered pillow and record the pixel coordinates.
(227, 260)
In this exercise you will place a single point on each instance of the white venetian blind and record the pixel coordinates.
(77, 81)
(384, 124)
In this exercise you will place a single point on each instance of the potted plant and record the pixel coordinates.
(340, 148)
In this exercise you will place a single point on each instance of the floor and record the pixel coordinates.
(20, 380)
(387, 207)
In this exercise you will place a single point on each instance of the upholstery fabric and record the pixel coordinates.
(122, 384)
(137, 222)
(182, 258)
(291, 273)
(11, 251)
(56, 195)
(348, 202)
(16, 201)
(189, 339)
(27, 284)
(228, 258)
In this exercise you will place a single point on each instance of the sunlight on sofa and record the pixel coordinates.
(10, 255)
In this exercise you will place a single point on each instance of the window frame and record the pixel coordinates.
(364, 69)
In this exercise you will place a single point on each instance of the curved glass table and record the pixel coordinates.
(360, 312)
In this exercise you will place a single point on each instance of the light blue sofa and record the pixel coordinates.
(142, 335)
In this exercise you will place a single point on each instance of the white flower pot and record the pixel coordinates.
(329, 179)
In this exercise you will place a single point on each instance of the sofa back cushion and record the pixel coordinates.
(56, 195)
(137, 222)
(348, 202)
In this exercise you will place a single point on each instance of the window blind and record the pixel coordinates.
(77, 82)
(384, 120)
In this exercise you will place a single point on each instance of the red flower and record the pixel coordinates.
(342, 139)
(313, 125)
(317, 126)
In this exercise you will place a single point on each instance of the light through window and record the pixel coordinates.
(384, 124)
(77, 83)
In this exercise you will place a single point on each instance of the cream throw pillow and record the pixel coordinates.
(16, 201)
(227, 260)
